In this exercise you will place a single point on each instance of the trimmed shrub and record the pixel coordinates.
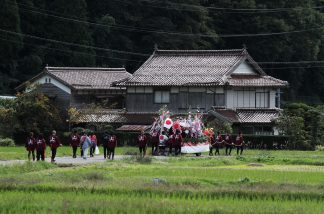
(7, 142)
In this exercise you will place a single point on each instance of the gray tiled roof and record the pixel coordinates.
(196, 68)
(88, 78)
(257, 116)
(113, 116)
(255, 81)
(246, 115)
(133, 128)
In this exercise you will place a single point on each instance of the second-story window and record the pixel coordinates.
(262, 99)
(162, 97)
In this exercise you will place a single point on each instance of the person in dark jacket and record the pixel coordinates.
(177, 141)
(228, 144)
(75, 142)
(31, 145)
(155, 142)
(142, 142)
(105, 141)
(216, 142)
(40, 147)
(239, 143)
(54, 143)
(111, 146)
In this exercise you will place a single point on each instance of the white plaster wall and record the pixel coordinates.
(42, 80)
(244, 68)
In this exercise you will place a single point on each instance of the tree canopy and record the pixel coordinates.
(281, 35)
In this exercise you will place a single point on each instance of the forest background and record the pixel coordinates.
(285, 37)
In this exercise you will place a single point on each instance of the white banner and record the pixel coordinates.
(195, 148)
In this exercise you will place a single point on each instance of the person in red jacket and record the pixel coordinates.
(111, 146)
(177, 141)
(239, 143)
(216, 142)
(54, 143)
(31, 145)
(94, 144)
(228, 144)
(155, 142)
(75, 142)
(142, 141)
(40, 147)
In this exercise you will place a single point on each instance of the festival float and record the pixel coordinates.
(195, 138)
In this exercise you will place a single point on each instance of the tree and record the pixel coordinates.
(302, 123)
(31, 57)
(293, 127)
(7, 122)
(10, 45)
(35, 112)
(70, 32)
(102, 36)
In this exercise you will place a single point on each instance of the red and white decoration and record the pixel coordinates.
(195, 148)
(168, 123)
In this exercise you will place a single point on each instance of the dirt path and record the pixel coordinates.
(78, 160)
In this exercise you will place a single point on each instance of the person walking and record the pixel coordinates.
(86, 145)
(169, 144)
(162, 142)
(111, 146)
(40, 147)
(239, 143)
(54, 143)
(142, 141)
(177, 141)
(228, 144)
(216, 142)
(31, 145)
(75, 142)
(155, 142)
(105, 141)
(93, 146)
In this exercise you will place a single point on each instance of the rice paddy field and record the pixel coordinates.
(257, 182)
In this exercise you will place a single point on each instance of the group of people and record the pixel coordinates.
(160, 142)
(89, 141)
(217, 142)
(166, 140)
(38, 144)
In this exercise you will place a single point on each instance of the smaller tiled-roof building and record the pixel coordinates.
(78, 86)
(228, 84)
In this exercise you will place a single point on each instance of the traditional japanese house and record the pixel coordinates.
(79, 86)
(227, 85)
